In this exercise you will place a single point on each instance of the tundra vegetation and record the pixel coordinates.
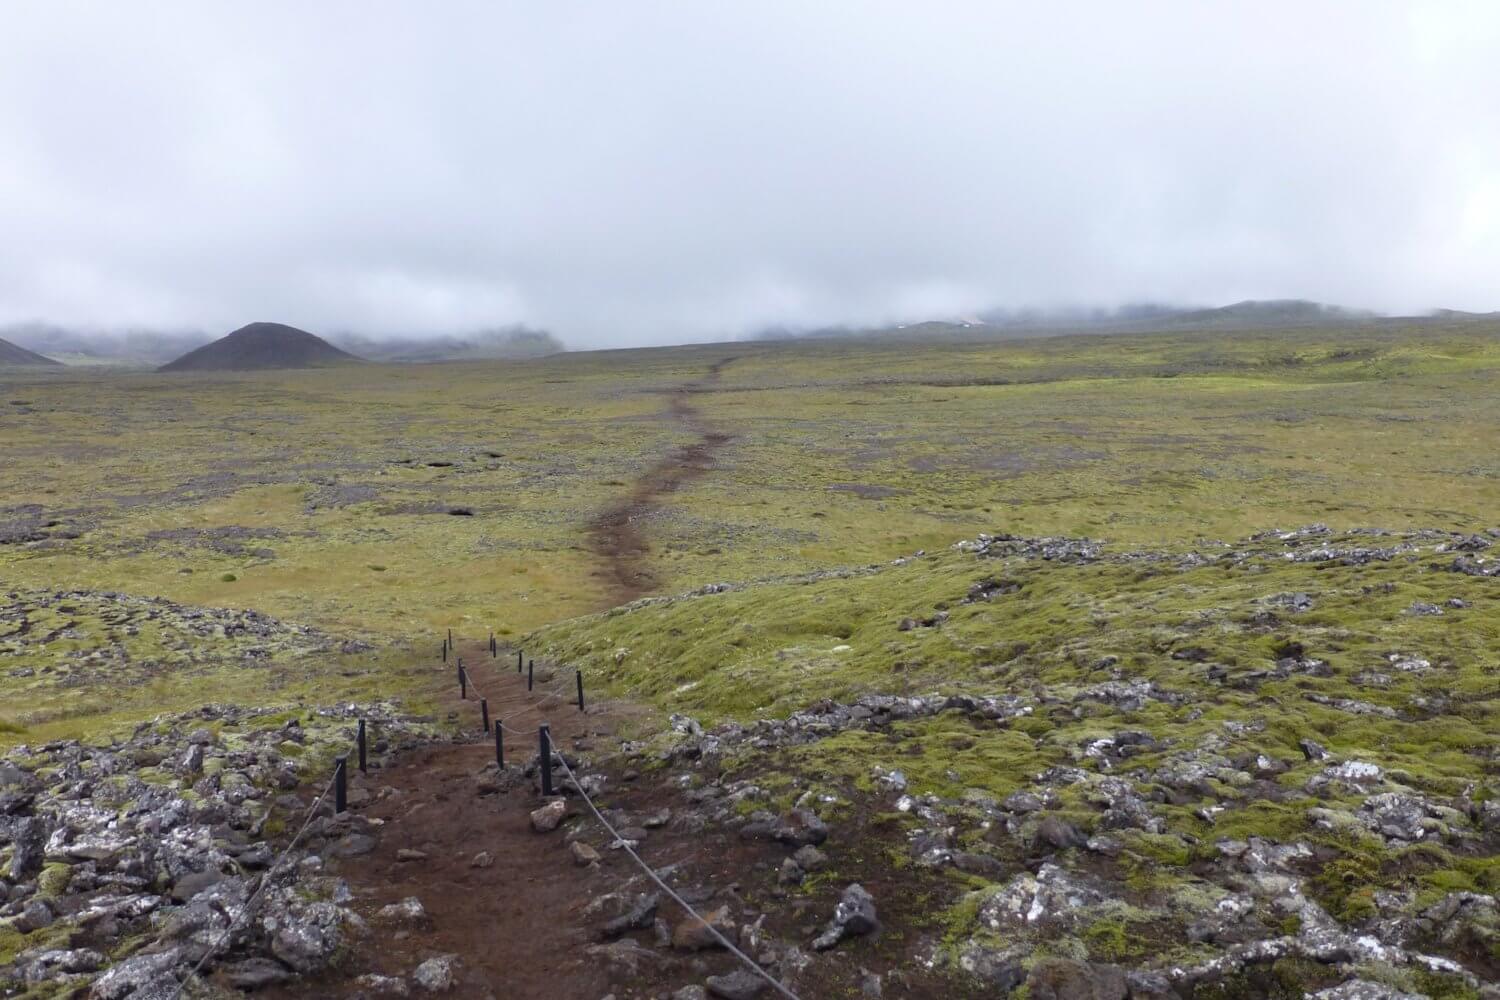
(1139, 652)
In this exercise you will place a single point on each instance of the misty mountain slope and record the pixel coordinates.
(262, 346)
(13, 354)
(504, 343)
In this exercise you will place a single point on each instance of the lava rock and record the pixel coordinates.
(437, 975)
(854, 915)
(694, 935)
(740, 984)
(640, 915)
(548, 817)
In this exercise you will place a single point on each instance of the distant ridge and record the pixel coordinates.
(1254, 313)
(259, 347)
(11, 354)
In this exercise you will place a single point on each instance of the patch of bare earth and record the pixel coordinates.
(616, 535)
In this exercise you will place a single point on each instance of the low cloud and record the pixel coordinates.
(645, 173)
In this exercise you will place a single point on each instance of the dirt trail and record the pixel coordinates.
(521, 926)
(513, 924)
(615, 533)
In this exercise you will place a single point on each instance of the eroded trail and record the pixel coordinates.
(616, 534)
(527, 920)
(513, 918)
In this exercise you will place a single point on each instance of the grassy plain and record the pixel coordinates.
(358, 512)
(323, 497)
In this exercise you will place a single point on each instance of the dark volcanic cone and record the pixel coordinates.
(262, 346)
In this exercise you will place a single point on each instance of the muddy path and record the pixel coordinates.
(616, 535)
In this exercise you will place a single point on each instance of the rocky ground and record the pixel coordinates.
(124, 865)
(1255, 769)
(1262, 769)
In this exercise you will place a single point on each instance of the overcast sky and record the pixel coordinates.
(633, 172)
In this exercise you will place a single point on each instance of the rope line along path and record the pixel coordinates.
(265, 879)
(730, 946)
(749, 962)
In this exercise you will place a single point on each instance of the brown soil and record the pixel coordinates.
(616, 534)
(522, 927)
(514, 924)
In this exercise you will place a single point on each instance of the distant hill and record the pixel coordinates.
(127, 347)
(12, 354)
(262, 346)
(1261, 313)
(1252, 314)
(502, 342)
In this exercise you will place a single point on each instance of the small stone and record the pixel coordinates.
(1312, 750)
(410, 854)
(1022, 802)
(548, 817)
(437, 975)
(854, 915)
(33, 917)
(484, 859)
(1059, 834)
(583, 854)
(810, 859)
(382, 986)
(641, 915)
(740, 984)
(409, 911)
(352, 845)
(801, 827)
(1065, 979)
(692, 934)
(256, 973)
(188, 886)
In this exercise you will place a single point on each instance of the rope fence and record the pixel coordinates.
(545, 754)
(748, 962)
(554, 693)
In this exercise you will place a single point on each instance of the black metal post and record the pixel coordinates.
(544, 755)
(445, 650)
(363, 762)
(484, 712)
(499, 744)
(340, 784)
(518, 661)
(579, 675)
(450, 637)
(530, 673)
(463, 681)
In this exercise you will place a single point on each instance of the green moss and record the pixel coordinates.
(1110, 940)
(52, 883)
(1442, 987)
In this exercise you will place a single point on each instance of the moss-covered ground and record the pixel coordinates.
(365, 510)
(323, 497)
